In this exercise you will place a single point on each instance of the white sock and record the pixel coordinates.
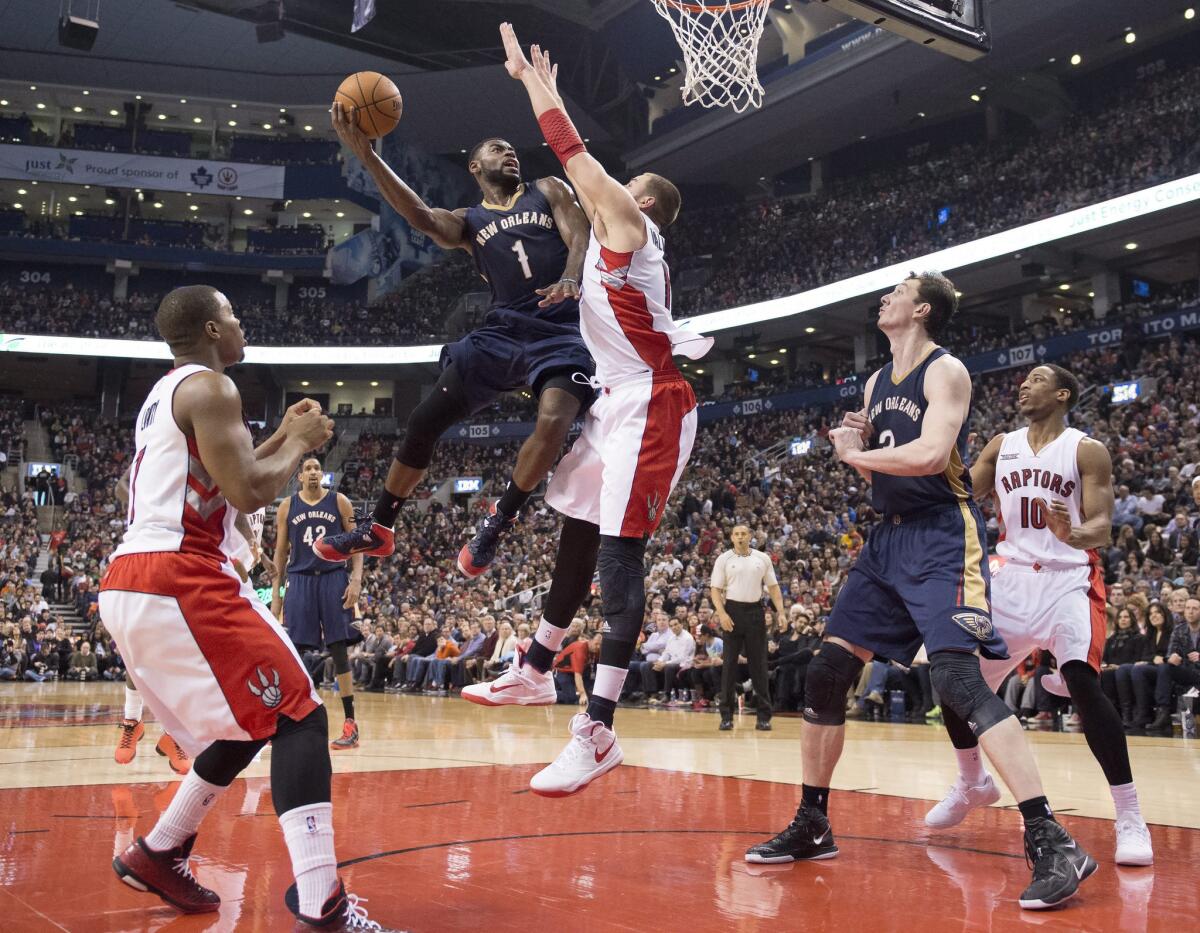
(970, 765)
(308, 832)
(187, 809)
(609, 681)
(549, 635)
(133, 704)
(1125, 799)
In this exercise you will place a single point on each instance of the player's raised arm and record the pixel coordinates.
(609, 204)
(574, 228)
(1096, 506)
(444, 227)
(208, 407)
(948, 395)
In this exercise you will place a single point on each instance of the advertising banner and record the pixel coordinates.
(129, 170)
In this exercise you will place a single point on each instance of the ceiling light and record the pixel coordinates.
(658, 77)
(304, 382)
(283, 109)
(1131, 246)
(921, 114)
(197, 119)
(16, 206)
(339, 383)
(308, 129)
(1091, 294)
(1053, 60)
(266, 126)
(162, 116)
(699, 372)
(374, 385)
(79, 213)
(248, 212)
(72, 199)
(109, 202)
(33, 87)
(3, 103)
(22, 191)
(233, 122)
(237, 197)
(783, 349)
(341, 213)
(751, 356)
(233, 106)
(306, 214)
(1189, 13)
(1130, 37)
(158, 205)
(193, 207)
(114, 113)
(183, 100)
(976, 98)
(1076, 59)
(810, 330)
(1065, 287)
(774, 362)
(41, 106)
(672, 69)
(77, 109)
(86, 93)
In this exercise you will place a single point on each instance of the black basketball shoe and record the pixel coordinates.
(806, 839)
(1059, 864)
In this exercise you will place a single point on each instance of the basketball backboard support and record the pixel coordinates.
(953, 27)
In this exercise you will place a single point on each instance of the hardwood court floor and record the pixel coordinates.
(436, 829)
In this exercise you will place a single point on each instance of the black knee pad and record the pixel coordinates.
(341, 658)
(225, 759)
(622, 567)
(301, 772)
(960, 685)
(831, 674)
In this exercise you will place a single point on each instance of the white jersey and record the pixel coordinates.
(1023, 477)
(174, 505)
(625, 312)
(237, 547)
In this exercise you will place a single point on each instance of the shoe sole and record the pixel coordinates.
(1040, 904)
(342, 748)
(780, 859)
(131, 879)
(582, 787)
(337, 557)
(484, 701)
(470, 572)
(966, 813)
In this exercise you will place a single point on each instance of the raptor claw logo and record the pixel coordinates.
(975, 624)
(270, 694)
(653, 504)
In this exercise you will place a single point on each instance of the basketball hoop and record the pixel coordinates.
(720, 50)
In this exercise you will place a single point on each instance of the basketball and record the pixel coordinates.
(376, 101)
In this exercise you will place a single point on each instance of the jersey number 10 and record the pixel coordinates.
(1033, 513)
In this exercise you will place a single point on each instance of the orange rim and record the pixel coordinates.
(714, 7)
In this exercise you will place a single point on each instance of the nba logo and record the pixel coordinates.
(310, 823)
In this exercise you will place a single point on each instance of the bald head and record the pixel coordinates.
(184, 313)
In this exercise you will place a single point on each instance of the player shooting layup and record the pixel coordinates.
(528, 242)
(922, 578)
(1048, 591)
(614, 483)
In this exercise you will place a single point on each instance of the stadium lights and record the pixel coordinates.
(41, 106)
(339, 383)
(109, 202)
(1076, 59)
(193, 207)
(87, 93)
(22, 191)
(183, 100)
(233, 122)
(374, 385)
(72, 199)
(114, 113)
(774, 362)
(699, 372)
(158, 205)
(33, 87)
(306, 214)
(783, 349)
(197, 119)
(751, 356)
(77, 109)
(3, 103)
(162, 116)
(341, 213)
(308, 129)
(810, 330)
(266, 126)
(1091, 294)
(1065, 287)
(16, 206)
(233, 106)
(283, 109)
(1189, 13)
(248, 212)
(137, 96)
(304, 382)
(976, 98)
(1130, 37)
(1131, 246)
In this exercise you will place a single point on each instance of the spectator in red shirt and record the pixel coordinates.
(569, 665)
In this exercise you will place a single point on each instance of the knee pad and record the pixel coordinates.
(960, 685)
(341, 659)
(831, 674)
(622, 567)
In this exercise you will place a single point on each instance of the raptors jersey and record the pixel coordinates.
(625, 311)
(237, 547)
(174, 505)
(1022, 478)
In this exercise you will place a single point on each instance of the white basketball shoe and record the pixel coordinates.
(960, 800)
(1133, 842)
(520, 685)
(592, 752)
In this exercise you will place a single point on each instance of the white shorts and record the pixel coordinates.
(1061, 611)
(636, 440)
(206, 655)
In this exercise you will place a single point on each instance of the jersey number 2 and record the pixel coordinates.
(519, 249)
(308, 534)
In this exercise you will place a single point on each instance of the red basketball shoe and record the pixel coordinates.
(166, 874)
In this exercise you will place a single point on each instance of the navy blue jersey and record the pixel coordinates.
(306, 523)
(897, 413)
(518, 248)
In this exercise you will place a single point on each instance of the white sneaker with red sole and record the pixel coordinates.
(592, 752)
(520, 685)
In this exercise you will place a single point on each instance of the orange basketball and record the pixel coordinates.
(376, 101)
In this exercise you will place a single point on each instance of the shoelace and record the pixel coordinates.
(127, 737)
(182, 867)
(356, 914)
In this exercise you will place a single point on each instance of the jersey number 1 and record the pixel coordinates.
(519, 249)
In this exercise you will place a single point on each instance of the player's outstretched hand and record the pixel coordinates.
(546, 71)
(1058, 519)
(311, 428)
(346, 127)
(858, 421)
(516, 63)
(558, 292)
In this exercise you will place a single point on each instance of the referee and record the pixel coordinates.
(738, 578)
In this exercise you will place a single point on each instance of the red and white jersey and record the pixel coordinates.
(625, 311)
(1023, 477)
(236, 546)
(174, 505)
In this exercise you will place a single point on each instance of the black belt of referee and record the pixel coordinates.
(735, 605)
(316, 573)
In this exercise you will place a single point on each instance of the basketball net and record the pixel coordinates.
(720, 50)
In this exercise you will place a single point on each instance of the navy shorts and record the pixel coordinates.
(512, 350)
(312, 609)
(921, 580)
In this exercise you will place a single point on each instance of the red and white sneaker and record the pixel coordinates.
(520, 685)
(131, 733)
(166, 874)
(348, 739)
(341, 911)
(592, 752)
(176, 757)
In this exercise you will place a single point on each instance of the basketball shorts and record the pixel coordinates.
(312, 609)
(920, 580)
(1061, 610)
(206, 655)
(621, 470)
(514, 349)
